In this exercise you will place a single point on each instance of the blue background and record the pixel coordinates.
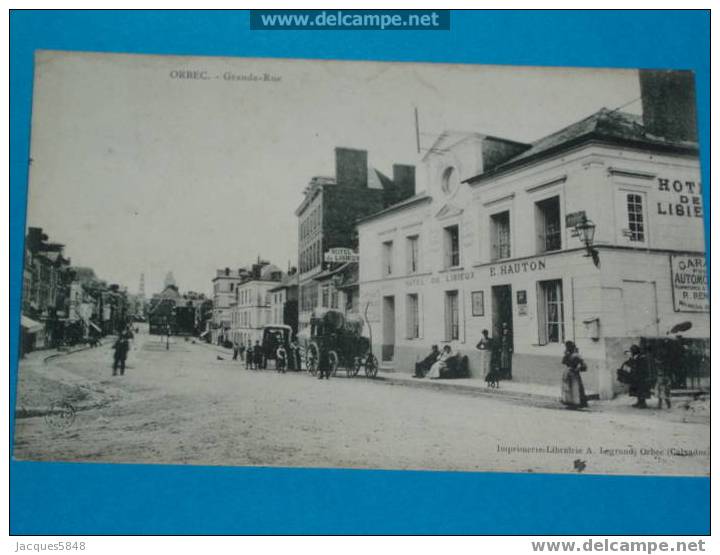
(63, 498)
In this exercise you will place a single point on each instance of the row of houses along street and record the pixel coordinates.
(593, 234)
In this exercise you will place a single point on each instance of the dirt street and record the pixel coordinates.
(186, 406)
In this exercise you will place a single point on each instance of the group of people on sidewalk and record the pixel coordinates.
(634, 372)
(496, 365)
(496, 358)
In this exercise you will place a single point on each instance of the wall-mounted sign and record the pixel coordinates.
(522, 307)
(686, 198)
(341, 255)
(517, 267)
(575, 218)
(478, 303)
(689, 283)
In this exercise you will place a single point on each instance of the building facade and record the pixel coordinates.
(225, 282)
(252, 306)
(493, 241)
(327, 215)
(284, 302)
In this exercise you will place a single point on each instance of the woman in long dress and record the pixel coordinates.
(573, 391)
(440, 364)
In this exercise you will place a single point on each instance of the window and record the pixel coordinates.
(232, 287)
(387, 257)
(325, 295)
(636, 221)
(452, 246)
(413, 253)
(452, 316)
(413, 316)
(450, 180)
(550, 312)
(334, 298)
(500, 232)
(547, 213)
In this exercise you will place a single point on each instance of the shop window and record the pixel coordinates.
(413, 316)
(325, 296)
(547, 214)
(636, 220)
(550, 312)
(452, 316)
(387, 258)
(413, 254)
(452, 246)
(333, 298)
(500, 233)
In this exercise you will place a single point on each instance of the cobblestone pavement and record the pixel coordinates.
(193, 405)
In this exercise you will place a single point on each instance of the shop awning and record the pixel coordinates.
(31, 325)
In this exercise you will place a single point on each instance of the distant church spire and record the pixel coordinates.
(141, 287)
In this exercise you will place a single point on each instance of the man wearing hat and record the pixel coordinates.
(639, 374)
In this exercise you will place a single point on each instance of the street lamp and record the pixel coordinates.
(586, 232)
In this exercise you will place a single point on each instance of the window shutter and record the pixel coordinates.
(541, 314)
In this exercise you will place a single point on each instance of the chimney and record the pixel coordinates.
(668, 104)
(351, 167)
(404, 180)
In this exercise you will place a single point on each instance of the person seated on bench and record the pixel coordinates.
(441, 363)
(422, 367)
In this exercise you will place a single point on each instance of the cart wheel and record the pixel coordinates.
(371, 367)
(311, 358)
(334, 361)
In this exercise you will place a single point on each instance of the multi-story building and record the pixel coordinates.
(592, 234)
(225, 283)
(251, 308)
(284, 301)
(327, 214)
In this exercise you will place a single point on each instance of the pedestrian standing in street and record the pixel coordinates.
(505, 350)
(236, 349)
(249, 358)
(573, 390)
(638, 372)
(324, 364)
(241, 351)
(487, 349)
(121, 347)
(258, 354)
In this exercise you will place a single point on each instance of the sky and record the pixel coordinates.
(137, 170)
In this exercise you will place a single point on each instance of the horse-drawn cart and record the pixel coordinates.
(342, 340)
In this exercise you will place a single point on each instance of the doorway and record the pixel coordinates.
(501, 309)
(640, 307)
(388, 318)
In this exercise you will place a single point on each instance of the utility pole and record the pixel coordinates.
(417, 130)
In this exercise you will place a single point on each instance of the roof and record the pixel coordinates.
(397, 206)
(288, 280)
(604, 125)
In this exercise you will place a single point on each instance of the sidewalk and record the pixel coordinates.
(477, 386)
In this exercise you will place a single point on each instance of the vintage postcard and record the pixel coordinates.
(299, 263)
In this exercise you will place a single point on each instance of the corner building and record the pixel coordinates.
(489, 242)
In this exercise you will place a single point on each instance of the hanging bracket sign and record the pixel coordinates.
(341, 255)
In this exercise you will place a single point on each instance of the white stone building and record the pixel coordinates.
(251, 308)
(487, 242)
